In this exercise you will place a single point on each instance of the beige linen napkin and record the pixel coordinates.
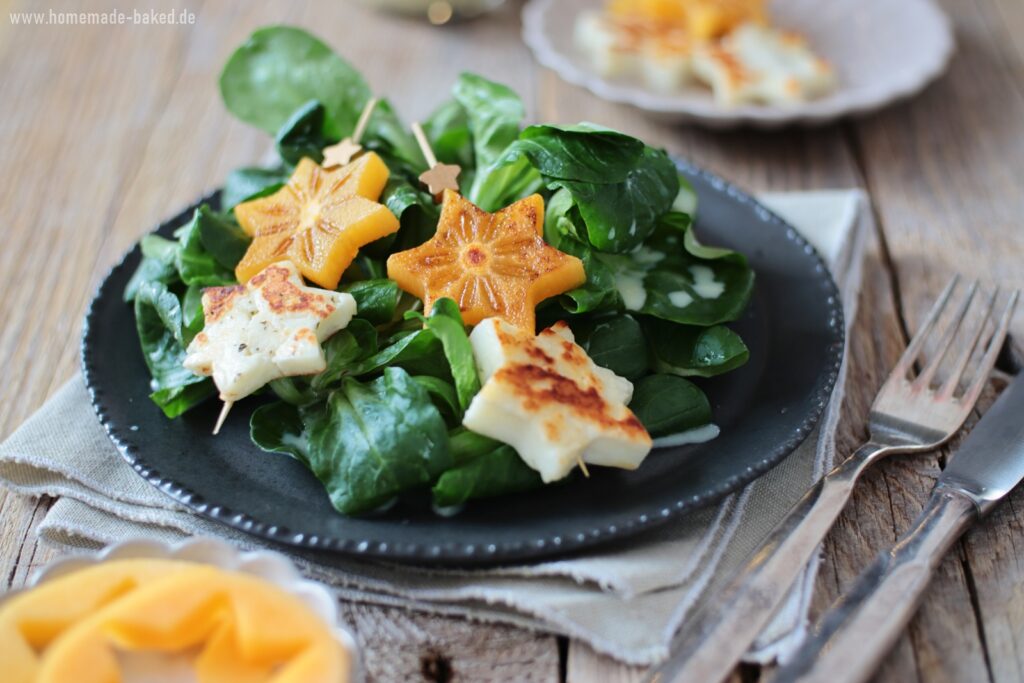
(625, 600)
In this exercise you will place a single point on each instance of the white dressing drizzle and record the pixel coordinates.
(705, 284)
(680, 299)
(695, 435)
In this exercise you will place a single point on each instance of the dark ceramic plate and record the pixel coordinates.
(793, 328)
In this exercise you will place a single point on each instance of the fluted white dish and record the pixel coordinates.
(272, 567)
(883, 51)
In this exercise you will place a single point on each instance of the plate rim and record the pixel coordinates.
(713, 115)
(440, 553)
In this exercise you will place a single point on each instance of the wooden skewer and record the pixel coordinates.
(223, 416)
(583, 466)
(343, 152)
(364, 120)
(421, 140)
(439, 177)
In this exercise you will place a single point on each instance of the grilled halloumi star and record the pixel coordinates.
(757, 63)
(268, 328)
(544, 396)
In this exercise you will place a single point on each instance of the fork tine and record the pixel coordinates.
(995, 345)
(928, 373)
(949, 387)
(916, 344)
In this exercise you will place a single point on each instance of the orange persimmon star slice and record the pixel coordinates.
(492, 265)
(318, 220)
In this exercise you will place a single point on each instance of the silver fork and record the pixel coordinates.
(908, 416)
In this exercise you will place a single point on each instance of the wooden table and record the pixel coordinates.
(106, 130)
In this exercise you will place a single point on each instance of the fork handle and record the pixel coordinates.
(720, 636)
(861, 627)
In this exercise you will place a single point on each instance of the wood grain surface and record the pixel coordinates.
(104, 131)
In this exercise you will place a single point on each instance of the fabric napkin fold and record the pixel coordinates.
(625, 599)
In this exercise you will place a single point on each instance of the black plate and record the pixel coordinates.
(793, 327)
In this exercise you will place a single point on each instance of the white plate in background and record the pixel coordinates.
(882, 50)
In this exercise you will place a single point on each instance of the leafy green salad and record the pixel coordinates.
(383, 422)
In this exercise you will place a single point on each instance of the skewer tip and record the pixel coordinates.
(223, 416)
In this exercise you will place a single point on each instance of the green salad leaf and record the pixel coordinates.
(209, 248)
(158, 321)
(159, 264)
(244, 184)
(302, 135)
(445, 322)
(376, 300)
(616, 343)
(667, 404)
(370, 442)
(620, 186)
(691, 351)
(447, 129)
(494, 114)
(281, 68)
(277, 428)
(498, 472)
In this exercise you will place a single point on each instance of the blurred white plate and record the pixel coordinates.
(882, 50)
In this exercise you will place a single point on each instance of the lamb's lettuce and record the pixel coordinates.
(619, 185)
(498, 472)
(248, 183)
(159, 264)
(158, 320)
(369, 442)
(376, 299)
(281, 68)
(209, 249)
(302, 135)
(667, 404)
(277, 428)
(445, 322)
(494, 114)
(447, 129)
(691, 351)
(615, 342)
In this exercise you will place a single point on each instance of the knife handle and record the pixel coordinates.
(862, 626)
(708, 651)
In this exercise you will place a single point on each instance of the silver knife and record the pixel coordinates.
(862, 626)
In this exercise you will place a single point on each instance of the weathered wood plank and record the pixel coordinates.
(400, 645)
(946, 181)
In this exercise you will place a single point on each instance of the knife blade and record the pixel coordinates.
(861, 627)
(990, 462)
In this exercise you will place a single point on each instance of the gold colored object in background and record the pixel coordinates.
(699, 19)
(437, 12)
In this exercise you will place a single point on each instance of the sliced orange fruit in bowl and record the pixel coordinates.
(318, 220)
(492, 265)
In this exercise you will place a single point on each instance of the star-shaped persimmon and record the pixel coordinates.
(492, 265)
(318, 220)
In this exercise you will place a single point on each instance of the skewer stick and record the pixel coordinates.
(343, 152)
(421, 140)
(223, 416)
(583, 466)
(439, 177)
(364, 120)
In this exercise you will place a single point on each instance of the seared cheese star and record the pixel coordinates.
(318, 220)
(268, 328)
(760, 64)
(489, 264)
(545, 397)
